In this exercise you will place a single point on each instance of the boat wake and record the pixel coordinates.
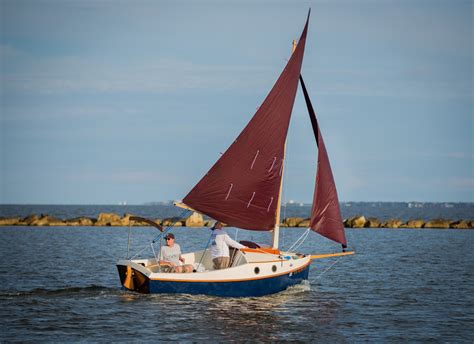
(66, 291)
(303, 287)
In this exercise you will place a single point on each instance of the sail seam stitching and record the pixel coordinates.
(271, 201)
(228, 193)
(254, 159)
(273, 164)
(253, 195)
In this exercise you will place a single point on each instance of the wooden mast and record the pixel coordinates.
(276, 229)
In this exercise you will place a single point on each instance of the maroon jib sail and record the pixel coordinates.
(243, 186)
(325, 213)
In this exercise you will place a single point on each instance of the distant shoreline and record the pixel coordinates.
(196, 220)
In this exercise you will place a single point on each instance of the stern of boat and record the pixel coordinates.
(132, 278)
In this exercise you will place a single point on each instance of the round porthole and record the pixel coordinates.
(274, 268)
(257, 270)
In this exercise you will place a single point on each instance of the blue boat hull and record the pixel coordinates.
(249, 288)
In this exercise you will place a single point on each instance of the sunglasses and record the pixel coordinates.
(169, 239)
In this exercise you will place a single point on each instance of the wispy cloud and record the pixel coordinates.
(63, 75)
(132, 176)
(457, 155)
(461, 183)
(461, 155)
(7, 52)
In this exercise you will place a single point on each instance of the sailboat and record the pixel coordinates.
(243, 189)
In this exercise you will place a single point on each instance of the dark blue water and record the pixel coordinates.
(382, 210)
(60, 284)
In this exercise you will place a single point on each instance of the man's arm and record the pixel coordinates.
(165, 262)
(232, 243)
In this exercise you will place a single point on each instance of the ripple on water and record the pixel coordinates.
(401, 285)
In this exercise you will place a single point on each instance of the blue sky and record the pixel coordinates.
(104, 102)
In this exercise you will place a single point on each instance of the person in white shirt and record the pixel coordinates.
(170, 257)
(220, 242)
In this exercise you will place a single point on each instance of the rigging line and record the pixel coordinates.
(152, 242)
(204, 252)
(154, 253)
(302, 238)
(159, 254)
(136, 254)
(327, 269)
(170, 227)
(299, 244)
(302, 241)
(166, 230)
(296, 241)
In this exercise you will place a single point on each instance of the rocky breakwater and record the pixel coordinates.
(103, 220)
(196, 220)
(362, 222)
(372, 222)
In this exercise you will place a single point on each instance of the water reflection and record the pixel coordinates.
(295, 314)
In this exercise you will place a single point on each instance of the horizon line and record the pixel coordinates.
(152, 203)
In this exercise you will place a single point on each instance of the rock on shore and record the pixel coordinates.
(81, 221)
(292, 221)
(415, 224)
(437, 223)
(355, 222)
(110, 219)
(196, 220)
(9, 221)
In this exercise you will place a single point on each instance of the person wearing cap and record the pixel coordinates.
(220, 242)
(170, 257)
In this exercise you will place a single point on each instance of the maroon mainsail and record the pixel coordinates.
(325, 214)
(243, 186)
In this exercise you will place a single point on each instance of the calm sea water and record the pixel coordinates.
(60, 284)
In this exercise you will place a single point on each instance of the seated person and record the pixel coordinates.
(170, 257)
